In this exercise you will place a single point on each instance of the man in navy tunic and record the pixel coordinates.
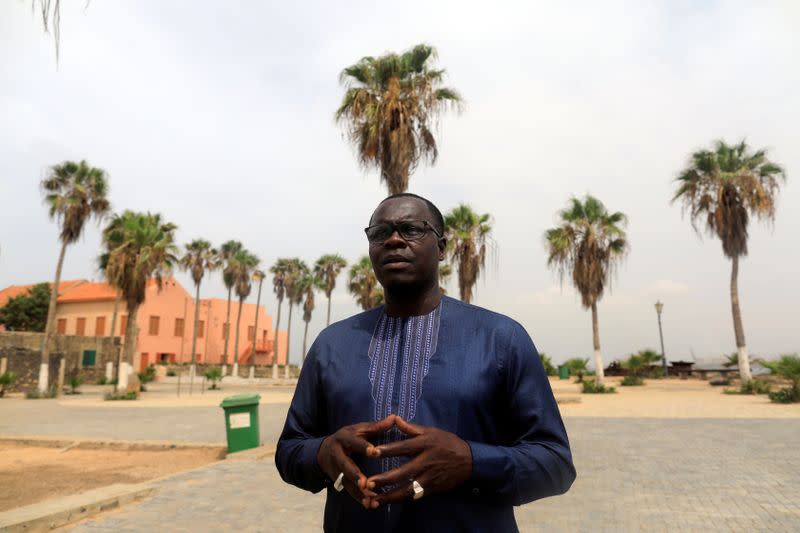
(426, 413)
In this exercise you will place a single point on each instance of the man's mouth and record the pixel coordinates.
(395, 260)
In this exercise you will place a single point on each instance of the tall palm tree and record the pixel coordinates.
(102, 262)
(722, 188)
(279, 271)
(363, 284)
(295, 273)
(588, 244)
(445, 272)
(389, 107)
(258, 276)
(326, 270)
(308, 285)
(73, 193)
(467, 234)
(226, 252)
(243, 263)
(200, 257)
(141, 246)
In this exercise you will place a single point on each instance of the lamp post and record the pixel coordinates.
(659, 308)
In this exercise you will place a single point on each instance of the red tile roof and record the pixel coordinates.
(89, 292)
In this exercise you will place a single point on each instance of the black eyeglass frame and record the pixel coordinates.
(395, 227)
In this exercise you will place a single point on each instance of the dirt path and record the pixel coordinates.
(29, 474)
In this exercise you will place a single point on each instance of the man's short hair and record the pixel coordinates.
(438, 219)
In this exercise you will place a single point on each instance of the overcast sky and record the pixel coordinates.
(219, 115)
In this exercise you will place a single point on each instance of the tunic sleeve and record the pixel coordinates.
(304, 431)
(538, 463)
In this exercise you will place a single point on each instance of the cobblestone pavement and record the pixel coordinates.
(633, 475)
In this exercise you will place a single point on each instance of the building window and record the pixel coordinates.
(62, 326)
(264, 338)
(100, 326)
(123, 324)
(179, 327)
(225, 327)
(201, 328)
(250, 331)
(199, 358)
(80, 326)
(89, 357)
(153, 330)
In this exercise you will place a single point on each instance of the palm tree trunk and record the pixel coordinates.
(112, 335)
(255, 324)
(305, 339)
(236, 343)
(288, 339)
(129, 348)
(329, 313)
(227, 336)
(598, 357)
(51, 322)
(744, 359)
(275, 342)
(194, 331)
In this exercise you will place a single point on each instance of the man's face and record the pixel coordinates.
(399, 262)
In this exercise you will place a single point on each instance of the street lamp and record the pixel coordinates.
(659, 308)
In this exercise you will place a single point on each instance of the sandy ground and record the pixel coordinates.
(164, 395)
(673, 398)
(29, 474)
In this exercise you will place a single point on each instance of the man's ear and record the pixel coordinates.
(442, 246)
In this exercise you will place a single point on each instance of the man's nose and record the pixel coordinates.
(395, 240)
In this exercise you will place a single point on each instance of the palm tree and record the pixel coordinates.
(279, 271)
(307, 287)
(102, 262)
(445, 271)
(141, 246)
(200, 257)
(389, 107)
(467, 232)
(363, 284)
(326, 270)
(243, 263)
(588, 244)
(296, 271)
(73, 192)
(723, 188)
(258, 276)
(226, 252)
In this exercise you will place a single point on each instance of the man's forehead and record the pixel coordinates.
(406, 207)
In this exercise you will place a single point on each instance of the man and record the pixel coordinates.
(424, 414)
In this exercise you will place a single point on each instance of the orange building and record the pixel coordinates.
(166, 321)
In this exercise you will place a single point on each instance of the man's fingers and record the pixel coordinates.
(348, 467)
(408, 428)
(412, 446)
(399, 475)
(376, 428)
(402, 493)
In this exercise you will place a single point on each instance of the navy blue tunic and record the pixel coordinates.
(462, 369)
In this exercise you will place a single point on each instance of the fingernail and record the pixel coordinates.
(371, 485)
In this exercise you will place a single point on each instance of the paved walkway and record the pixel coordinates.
(633, 475)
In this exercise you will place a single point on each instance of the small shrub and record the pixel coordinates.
(547, 363)
(113, 381)
(170, 372)
(720, 382)
(145, 377)
(115, 396)
(74, 383)
(593, 387)
(36, 394)
(102, 380)
(755, 386)
(577, 367)
(214, 375)
(632, 381)
(788, 395)
(6, 380)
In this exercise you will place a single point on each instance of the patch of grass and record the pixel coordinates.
(593, 387)
(632, 381)
(115, 396)
(36, 394)
(755, 386)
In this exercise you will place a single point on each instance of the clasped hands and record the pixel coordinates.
(439, 460)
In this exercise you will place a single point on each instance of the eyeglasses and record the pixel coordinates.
(409, 230)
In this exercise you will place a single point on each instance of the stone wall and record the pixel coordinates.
(22, 353)
(261, 371)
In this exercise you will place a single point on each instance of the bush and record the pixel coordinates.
(170, 372)
(214, 375)
(115, 396)
(632, 381)
(788, 395)
(755, 386)
(6, 379)
(102, 380)
(35, 394)
(145, 377)
(547, 363)
(577, 367)
(719, 382)
(593, 387)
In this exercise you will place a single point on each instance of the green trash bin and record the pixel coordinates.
(241, 421)
(563, 372)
